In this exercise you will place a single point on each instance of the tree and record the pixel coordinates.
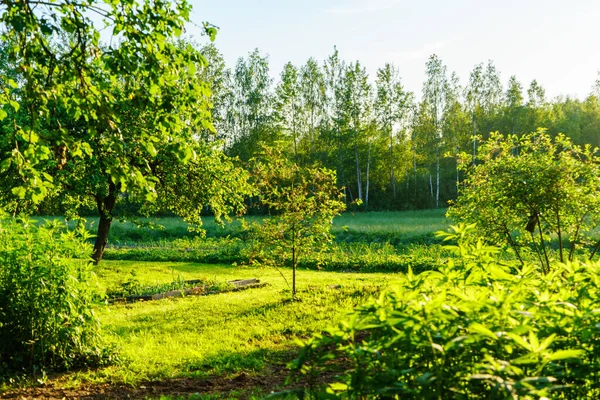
(513, 110)
(334, 71)
(475, 98)
(434, 93)
(456, 122)
(251, 107)
(288, 106)
(356, 107)
(302, 201)
(536, 107)
(392, 108)
(92, 123)
(551, 186)
(218, 77)
(313, 93)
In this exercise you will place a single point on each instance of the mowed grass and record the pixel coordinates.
(251, 332)
(222, 334)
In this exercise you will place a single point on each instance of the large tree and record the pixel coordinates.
(392, 108)
(435, 90)
(95, 122)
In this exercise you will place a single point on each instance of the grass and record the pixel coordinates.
(250, 331)
(393, 226)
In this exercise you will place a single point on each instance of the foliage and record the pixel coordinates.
(46, 315)
(475, 329)
(91, 122)
(532, 183)
(303, 203)
(133, 287)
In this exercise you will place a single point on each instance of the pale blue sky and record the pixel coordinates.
(556, 42)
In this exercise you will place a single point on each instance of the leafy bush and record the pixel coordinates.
(525, 191)
(476, 329)
(46, 315)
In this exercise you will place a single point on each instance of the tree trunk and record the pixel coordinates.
(368, 167)
(358, 175)
(474, 138)
(392, 174)
(431, 187)
(294, 262)
(437, 175)
(105, 208)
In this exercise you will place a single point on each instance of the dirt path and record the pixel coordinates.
(173, 387)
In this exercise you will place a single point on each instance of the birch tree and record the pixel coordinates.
(357, 107)
(288, 107)
(392, 106)
(434, 94)
(313, 94)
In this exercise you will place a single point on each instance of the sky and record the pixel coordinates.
(556, 42)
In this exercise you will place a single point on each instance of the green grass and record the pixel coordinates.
(393, 226)
(250, 331)
(409, 224)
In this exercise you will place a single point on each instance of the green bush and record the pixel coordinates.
(479, 329)
(46, 315)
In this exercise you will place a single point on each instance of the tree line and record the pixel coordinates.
(390, 148)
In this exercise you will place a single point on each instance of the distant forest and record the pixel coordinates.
(389, 150)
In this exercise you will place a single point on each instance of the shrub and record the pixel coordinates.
(46, 315)
(527, 191)
(479, 329)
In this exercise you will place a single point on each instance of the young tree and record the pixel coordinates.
(302, 201)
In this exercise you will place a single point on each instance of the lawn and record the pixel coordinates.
(234, 344)
(221, 337)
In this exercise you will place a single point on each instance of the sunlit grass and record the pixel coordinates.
(223, 333)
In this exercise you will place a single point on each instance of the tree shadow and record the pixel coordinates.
(242, 380)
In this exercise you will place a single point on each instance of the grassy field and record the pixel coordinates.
(402, 226)
(229, 345)
(237, 343)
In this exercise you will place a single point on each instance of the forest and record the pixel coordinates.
(391, 149)
(172, 227)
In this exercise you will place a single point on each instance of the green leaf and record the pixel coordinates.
(19, 191)
(565, 354)
(16, 106)
(482, 330)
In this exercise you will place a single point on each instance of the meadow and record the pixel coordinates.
(235, 344)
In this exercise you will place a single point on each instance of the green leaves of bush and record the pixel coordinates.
(477, 329)
(46, 318)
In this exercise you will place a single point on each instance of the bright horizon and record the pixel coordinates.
(550, 41)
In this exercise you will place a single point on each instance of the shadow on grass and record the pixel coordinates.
(241, 376)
